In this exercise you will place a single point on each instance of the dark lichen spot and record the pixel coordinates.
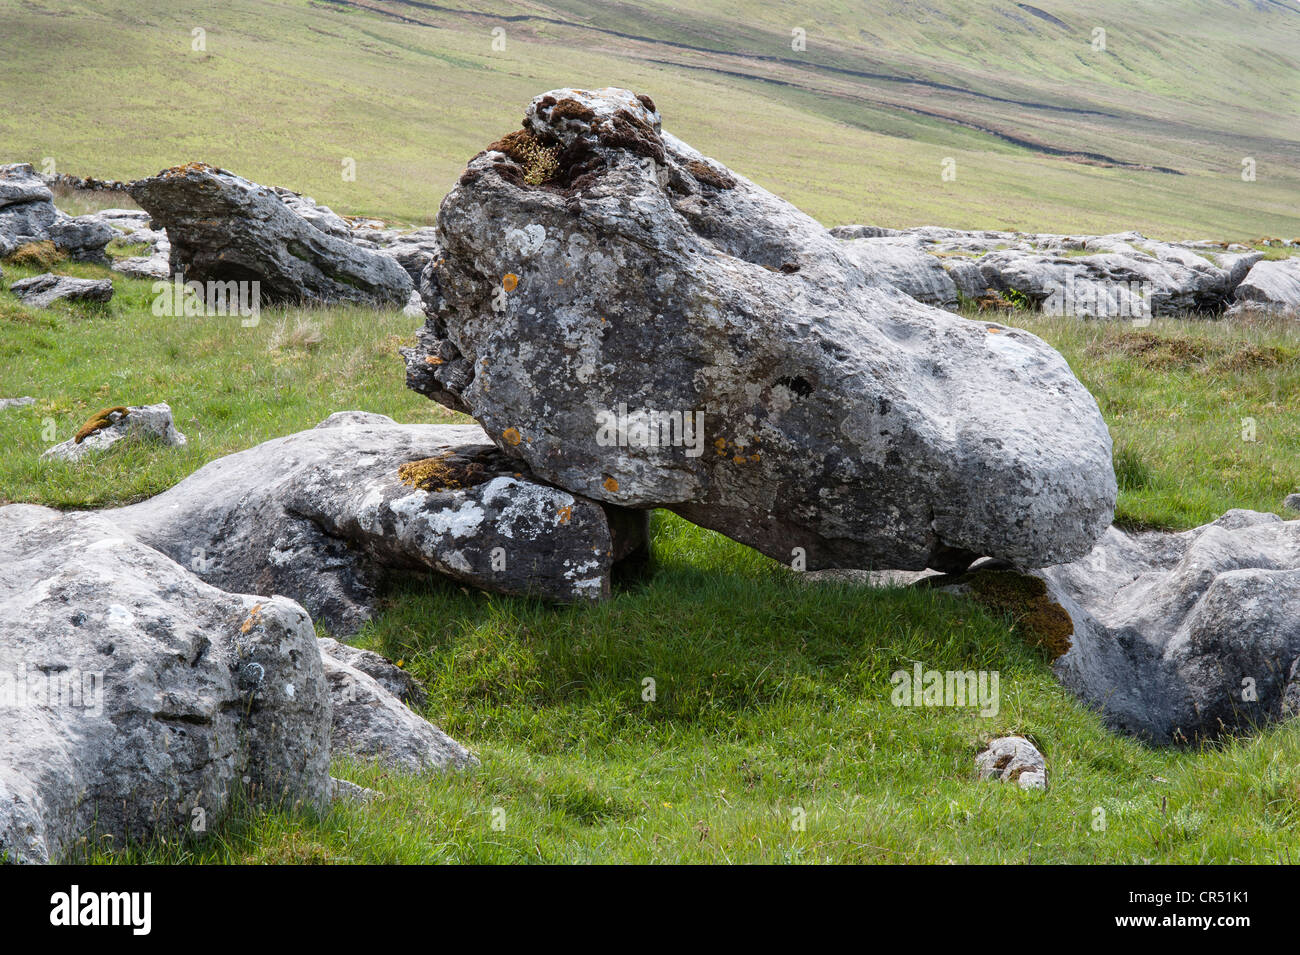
(647, 102)
(569, 108)
(626, 131)
(800, 385)
(706, 174)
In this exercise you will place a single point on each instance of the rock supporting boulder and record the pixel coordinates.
(225, 228)
(1188, 635)
(132, 693)
(28, 214)
(325, 514)
(151, 423)
(644, 327)
(42, 291)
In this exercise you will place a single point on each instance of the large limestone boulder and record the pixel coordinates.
(28, 214)
(325, 515)
(1187, 635)
(601, 279)
(132, 694)
(225, 228)
(902, 262)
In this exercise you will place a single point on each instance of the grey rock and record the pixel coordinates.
(1291, 693)
(151, 423)
(840, 417)
(388, 675)
(1183, 636)
(861, 232)
(322, 516)
(342, 790)
(42, 291)
(322, 218)
(225, 228)
(372, 723)
(1274, 285)
(1292, 502)
(1013, 759)
(23, 402)
(1122, 275)
(901, 262)
(134, 693)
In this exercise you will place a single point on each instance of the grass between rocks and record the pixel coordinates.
(772, 695)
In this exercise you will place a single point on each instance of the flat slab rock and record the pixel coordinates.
(1122, 275)
(42, 291)
(322, 516)
(224, 228)
(1188, 635)
(133, 693)
(841, 418)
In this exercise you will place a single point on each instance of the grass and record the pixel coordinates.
(851, 130)
(772, 696)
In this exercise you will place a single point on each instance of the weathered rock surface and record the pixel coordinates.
(1124, 275)
(1187, 635)
(1292, 502)
(1013, 759)
(370, 722)
(132, 693)
(23, 402)
(593, 263)
(901, 262)
(225, 228)
(1275, 285)
(140, 423)
(42, 291)
(323, 516)
(28, 214)
(388, 675)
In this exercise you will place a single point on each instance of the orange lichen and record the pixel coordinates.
(565, 513)
(509, 281)
(433, 360)
(98, 422)
(610, 485)
(254, 619)
(511, 436)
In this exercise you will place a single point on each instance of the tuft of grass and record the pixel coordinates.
(42, 255)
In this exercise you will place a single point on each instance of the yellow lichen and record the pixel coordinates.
(98, 422)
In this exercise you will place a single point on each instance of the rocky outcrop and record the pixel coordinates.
(644, 327)
(28, 214)
(136, 698)
(150, 423)
(325, 515)
(42, 291)
(1124, 275)
(902, 263)
(23, 402)
(1188, 635)
(226, 228)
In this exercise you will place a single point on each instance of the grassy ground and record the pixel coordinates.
(772, 696)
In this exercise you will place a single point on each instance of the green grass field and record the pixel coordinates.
(854, 128)
(773, 695)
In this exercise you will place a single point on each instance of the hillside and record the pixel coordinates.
(1047, 133)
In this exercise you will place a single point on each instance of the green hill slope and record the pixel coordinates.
(1046, 131)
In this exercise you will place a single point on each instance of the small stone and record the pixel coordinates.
(1013, 759)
